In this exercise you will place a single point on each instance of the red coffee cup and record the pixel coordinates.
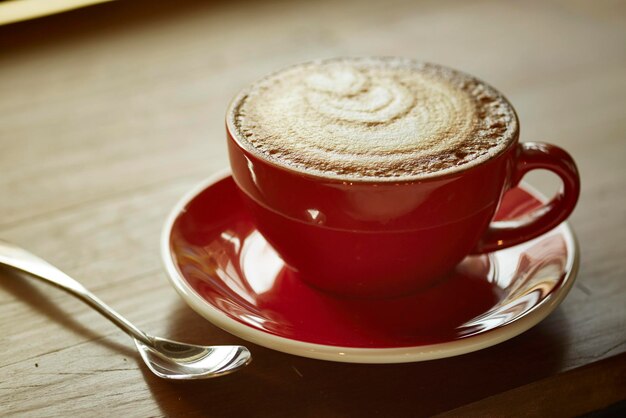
(386, 238)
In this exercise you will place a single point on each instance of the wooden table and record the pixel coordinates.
(109, 114)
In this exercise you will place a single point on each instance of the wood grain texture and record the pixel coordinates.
(109, 114)
(590, 388)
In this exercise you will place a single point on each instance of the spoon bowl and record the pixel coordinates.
(173, 360)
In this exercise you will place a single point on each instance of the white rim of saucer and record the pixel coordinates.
(364, 355)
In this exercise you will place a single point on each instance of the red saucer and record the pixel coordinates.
(226, 271)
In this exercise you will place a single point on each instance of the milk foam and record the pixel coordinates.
(372, 118)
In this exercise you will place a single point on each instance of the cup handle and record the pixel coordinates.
(532, 156)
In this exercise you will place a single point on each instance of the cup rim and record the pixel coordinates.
(234, 135)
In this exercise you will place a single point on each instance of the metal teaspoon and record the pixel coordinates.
(165, 358)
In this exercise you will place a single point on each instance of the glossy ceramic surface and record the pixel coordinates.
(392, 237)
(226, 271)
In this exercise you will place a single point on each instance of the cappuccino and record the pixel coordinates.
(372, 119)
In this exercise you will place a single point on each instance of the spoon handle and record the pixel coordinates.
(18, 258)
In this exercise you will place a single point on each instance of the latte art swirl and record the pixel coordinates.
(351, 96)
(372, 118)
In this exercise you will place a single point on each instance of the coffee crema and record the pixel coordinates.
(372, 118)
